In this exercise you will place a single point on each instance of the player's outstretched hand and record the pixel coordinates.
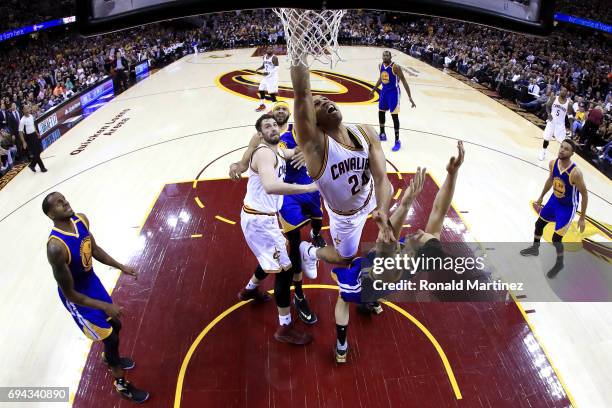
(416, 185)
(455, 162)
(130, 271)
(234, 172)
(113, 311)
(298, 160)
(385, 230)
(538, 205)
(581, 224)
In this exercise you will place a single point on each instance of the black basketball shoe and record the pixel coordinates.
(129, 392)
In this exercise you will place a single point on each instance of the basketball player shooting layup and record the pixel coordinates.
(262, 202)
(347, 164)
(424, 244)
(269, 83)
(558, 107)
(390, 95)
(70, 250)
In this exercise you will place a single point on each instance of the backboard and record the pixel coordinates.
(524, 16)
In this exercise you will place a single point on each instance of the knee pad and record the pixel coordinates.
(539, 227)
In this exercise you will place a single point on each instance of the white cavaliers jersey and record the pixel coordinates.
(559, 111)
(256, 199)
(268, 64)
(345, 181)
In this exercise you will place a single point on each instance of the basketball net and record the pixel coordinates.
(312, 35)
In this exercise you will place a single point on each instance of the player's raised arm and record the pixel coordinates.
(398, 218)
(444, 197)
(306, 130)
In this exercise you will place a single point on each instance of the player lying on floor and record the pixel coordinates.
(420, 244)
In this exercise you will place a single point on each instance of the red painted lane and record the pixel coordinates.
(185, 283)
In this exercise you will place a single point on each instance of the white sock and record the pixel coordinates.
(251, 285)
(341, 347)
(284, 320)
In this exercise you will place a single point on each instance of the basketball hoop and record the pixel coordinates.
(312, 35)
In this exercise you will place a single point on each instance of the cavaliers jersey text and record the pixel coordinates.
(345, 180)
(256, 198)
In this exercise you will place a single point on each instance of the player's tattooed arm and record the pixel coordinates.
(101, 256)
(578, 180)
(58, 259)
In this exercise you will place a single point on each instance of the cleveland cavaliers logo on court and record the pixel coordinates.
(341, 88)
(86, 253)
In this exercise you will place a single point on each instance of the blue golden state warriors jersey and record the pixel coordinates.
(93, 322)
(80, 262)
(564, 191)
(388, 78)
(293, 175)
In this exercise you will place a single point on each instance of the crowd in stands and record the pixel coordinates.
(46, 70)
(596, 10)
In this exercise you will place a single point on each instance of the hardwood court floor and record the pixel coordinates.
(192, 353)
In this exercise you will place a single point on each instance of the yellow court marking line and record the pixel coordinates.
(196, 235)
(220, 218)
(414, 320)
(325, 227)
(557, 373)
(399, 175)
(432, 339)
(397, 194)
(198, 202)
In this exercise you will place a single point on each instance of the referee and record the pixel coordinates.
(31, 140)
